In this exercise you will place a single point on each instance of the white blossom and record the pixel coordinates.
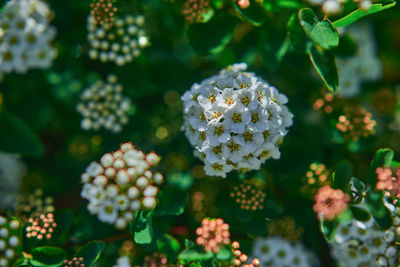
(11, 172)
(121, 184)
(9, 240)
(119, 42)
(25, 36)
(235, 120)
(103, 105)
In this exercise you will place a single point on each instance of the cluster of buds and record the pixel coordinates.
(330, 202)
(325, 103)
(389, 182)
(103, 105)
(103, 11)
(41, 227)
(33, 205)
(121, 184)
(194, 10)
(355, 123)
(213, 234)
(316, 177)
(241, 258)
(75, 262)
(155, 260)
(9, 240)
(248, 196)
(286, 228)
(117, 42)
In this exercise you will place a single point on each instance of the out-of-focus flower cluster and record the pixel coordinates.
(316, 177)
(103, 11)
(121, 184)
(25, 36)
(33, 205)
(359, 243)
(119, 42)
(335, 7)
(41, 227)
(9, 240)
(356, 122)
(213, 234)
(364, 66)
(248, 196)
(11, 172)
(286, 228)
(235, 120)
(103, 105)
(196, 10)
(330, 202)
(325, 103)
(155, 260)
(274, 251)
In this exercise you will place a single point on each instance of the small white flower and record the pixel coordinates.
(108, 212)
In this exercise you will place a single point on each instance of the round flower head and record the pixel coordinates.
(359, 243)
(248, 196)
(74, 262)
(11, 172)
(103, 11)
(330, 202)
(121, 184)
(195, 10)
(25, 36)
(389, 182)
(274, 251)
(103, 105)
(235, 120)
(316, 177)
(118, 42)
(355, 123)
(213, 234)
(41, 227)
(10, 241)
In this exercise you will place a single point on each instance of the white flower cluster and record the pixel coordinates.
(235, 120)
(119, 42)
(275, 251)
(25, 36)
(123, 261)
(11, 172)
(364, 66)
(103, 105)
(365, 244)
(121, 184)
(9, 240)
(335, 7)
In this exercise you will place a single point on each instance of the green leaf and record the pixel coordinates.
(168, 245)
(17, 137)
(329, 229)
(378, 210)
(213, 36)
(360, 214)
(172, 202)
(90, 252)
(47, 256)
(224, 254)
(321, 33)
(324, 64)
(141, 228)
(296, 35)
(195, 253)
(358, 14)
(383, 158)
(341, 178)
(254, 14)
